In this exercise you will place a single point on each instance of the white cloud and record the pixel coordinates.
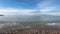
(45, 4)
(46, 7)
(16, 11)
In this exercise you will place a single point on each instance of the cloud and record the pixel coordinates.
(35, 11)
(16, 11)
(45, 4)
(47, 7)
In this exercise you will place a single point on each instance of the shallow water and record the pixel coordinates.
(18, 17)
(27, 21)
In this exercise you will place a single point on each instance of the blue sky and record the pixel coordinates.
(19, 4)
(15, 7)
(27, 4)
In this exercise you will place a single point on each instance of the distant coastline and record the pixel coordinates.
(1, 15)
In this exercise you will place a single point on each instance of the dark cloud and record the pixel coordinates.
(35, 12)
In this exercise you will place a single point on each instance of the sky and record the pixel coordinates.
(30, 7)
